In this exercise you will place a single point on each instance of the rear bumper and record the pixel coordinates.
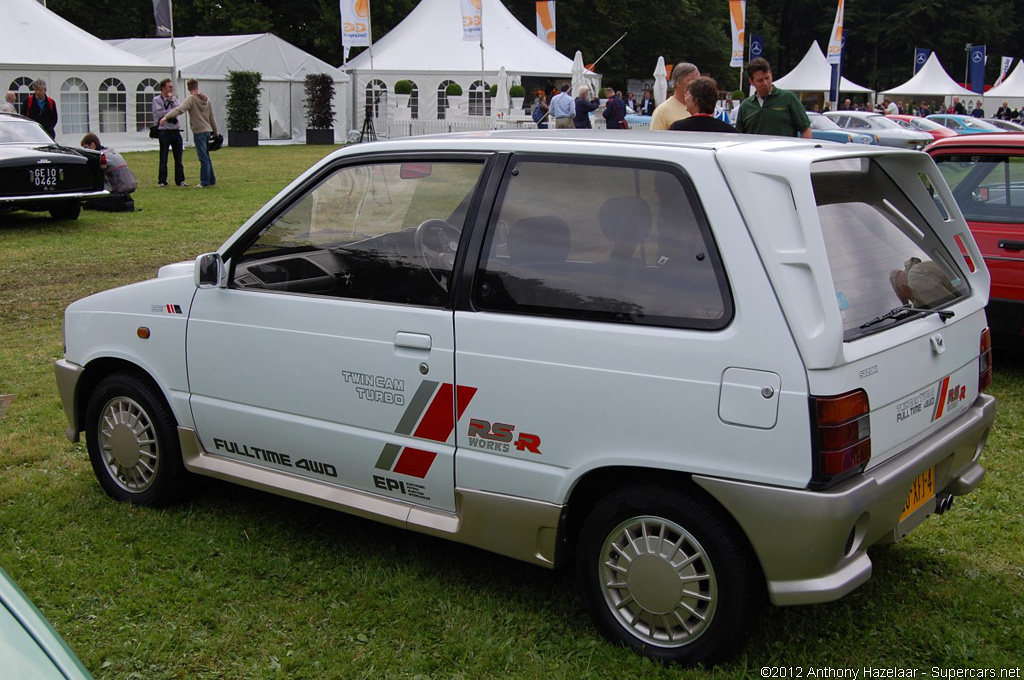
(812, 545)
(34, 200)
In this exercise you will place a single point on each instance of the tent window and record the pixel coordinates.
(74, 106)
(144, 94)
(113, 106)
(376, 98)
(479, 99)
(21, 87)
(442, 98)
(414, 101)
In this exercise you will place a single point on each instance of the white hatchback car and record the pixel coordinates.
(701, 368)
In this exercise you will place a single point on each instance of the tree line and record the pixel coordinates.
(881, 36)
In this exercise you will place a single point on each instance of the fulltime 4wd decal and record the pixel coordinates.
(430, 415)
(938, 401)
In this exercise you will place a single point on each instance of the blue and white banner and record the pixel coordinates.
(1004, 70)
(976, 57)
(162, 16)
(738, 20)
(355, 23)
(472, 20)
(921, 55)
(756, 46)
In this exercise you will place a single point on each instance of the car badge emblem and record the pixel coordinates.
(42, 160)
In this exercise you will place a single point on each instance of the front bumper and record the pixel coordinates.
(812, 545)
(67, 375)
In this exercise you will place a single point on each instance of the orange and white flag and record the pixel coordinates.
(835, 41)
(355, 23)
(738, 21)
(472, 20)
(546, 22)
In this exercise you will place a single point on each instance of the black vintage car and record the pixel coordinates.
(37, 173)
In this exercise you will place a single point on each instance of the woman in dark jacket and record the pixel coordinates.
(584, 105)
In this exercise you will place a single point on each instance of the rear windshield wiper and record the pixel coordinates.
(905, 310)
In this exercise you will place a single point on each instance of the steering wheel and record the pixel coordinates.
(436, 242)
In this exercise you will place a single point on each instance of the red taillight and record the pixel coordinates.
(842, 434)
(985, 362)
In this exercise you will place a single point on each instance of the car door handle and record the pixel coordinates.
(1011, 245)
(412, 340)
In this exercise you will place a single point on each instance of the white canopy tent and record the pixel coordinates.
(932, 81)
(1011, 90)
(814, 74)
(427, 48)
(96, 87)
(282, 66)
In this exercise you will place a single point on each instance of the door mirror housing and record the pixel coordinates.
(209, 271)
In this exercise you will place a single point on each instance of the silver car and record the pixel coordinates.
(888, 132)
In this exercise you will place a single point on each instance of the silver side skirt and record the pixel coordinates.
(516, 527)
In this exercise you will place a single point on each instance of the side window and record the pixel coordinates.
(386, 232)
(987, 188)
(604, 243)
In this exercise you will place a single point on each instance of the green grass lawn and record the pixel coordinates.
(240, 584)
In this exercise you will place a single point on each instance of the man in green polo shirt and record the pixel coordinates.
(771, 111)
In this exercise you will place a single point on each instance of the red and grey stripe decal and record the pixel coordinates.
(431, 415)
(940, 402)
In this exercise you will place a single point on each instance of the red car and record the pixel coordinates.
(920, 124)
(986, 175)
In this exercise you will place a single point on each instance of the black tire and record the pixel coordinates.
(133, 441)
(69, 210)
(669, 574)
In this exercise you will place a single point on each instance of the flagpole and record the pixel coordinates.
(485, 91)
(174, 56)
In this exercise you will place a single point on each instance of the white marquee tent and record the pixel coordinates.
(283, 68)
(96, 86)
(932, 80)
(427, 48)
(814, 74)
(1011, 90)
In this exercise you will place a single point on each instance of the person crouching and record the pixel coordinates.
(118, 179)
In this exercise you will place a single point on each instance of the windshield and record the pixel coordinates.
(977, 124)
(882, 252)
(925, 124)
(19, 131)
(823, 123)
(883, 122)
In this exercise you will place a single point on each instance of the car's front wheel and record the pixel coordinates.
(69, 210)
(665, 572)
(132, 439)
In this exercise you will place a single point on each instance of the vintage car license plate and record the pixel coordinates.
(47, 177)
(921, 491)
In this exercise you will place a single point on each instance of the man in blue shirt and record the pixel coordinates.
(563, 108)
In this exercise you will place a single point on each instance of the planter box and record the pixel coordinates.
(243, 137)
(319, 136)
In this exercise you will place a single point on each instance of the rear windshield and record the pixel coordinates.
(886, 261)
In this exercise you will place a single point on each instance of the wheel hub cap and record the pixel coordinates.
(129, 444)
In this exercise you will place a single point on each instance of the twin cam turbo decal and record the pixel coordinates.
(428, 416)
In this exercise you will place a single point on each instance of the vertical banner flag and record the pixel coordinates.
(1004, 69)
(738, 21)
(977, 60)
(355, 23)
(921, 55)
(472, 23)
(162, 15)
(756, 46)
(835, 41)
(546, 22)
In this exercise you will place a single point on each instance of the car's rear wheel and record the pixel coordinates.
(66, 211)
(132, 439)
(668, 574)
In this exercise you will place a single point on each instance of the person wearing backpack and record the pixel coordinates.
(540, 112)
(41, 108)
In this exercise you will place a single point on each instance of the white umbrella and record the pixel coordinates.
(660, 81)
(502, 102)
(578, 70)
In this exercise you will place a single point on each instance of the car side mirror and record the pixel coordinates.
(209, 270)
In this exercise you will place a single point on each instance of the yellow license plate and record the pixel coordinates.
(921, 491)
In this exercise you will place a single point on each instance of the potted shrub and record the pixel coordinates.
(243, 108)
(403, 91)
(494, 91)
(453, 93)
(319, 108)
(517, 93)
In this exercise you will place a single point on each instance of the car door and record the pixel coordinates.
(330, 353)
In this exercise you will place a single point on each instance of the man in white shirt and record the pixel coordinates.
(673, 108)
(563, 108)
